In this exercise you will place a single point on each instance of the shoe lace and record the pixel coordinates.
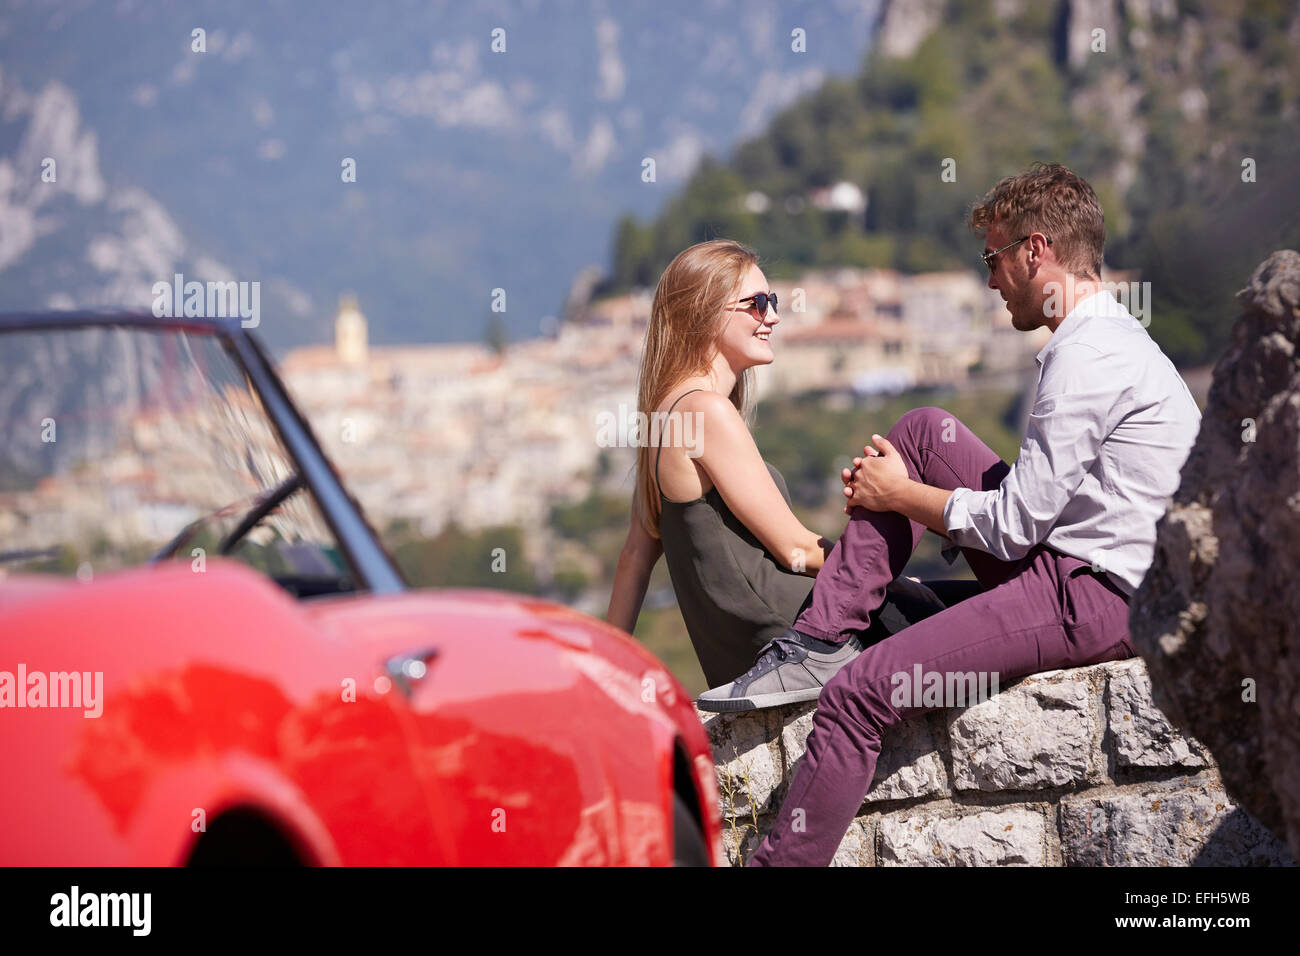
(771, 656)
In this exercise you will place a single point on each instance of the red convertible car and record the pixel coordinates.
(207, 657)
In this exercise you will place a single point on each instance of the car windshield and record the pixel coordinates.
(119, 445)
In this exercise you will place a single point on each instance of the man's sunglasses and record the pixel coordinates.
(760, 301)
(990, 258)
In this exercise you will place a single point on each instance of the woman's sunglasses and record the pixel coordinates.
(760, 301)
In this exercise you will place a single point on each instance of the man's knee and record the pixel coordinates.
(1120, 651)
(928, 418)
(854, 694)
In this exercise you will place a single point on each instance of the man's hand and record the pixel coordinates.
(874, 481)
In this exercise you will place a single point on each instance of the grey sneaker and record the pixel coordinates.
(787, 671)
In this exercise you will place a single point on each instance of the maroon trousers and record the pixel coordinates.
(1043, 612)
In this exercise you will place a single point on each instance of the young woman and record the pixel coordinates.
(741, 563)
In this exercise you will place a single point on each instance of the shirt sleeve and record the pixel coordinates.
(1077, 401)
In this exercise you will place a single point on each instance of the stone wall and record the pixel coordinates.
(1068, 767)
(1217, 616)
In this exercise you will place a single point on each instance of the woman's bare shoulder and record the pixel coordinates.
(703, 400)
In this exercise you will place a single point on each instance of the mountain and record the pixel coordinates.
(220, 154)
(1181, 114)
(69, 240)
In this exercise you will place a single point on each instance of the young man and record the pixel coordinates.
(1059, 541)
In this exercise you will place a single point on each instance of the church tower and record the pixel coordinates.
(350, 335)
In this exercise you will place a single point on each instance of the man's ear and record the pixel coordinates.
(1038, 245)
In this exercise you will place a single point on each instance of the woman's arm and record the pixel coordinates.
(640, 553)
(729, 455)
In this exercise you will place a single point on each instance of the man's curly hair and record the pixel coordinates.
(1053, 200)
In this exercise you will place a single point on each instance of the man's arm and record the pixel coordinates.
(1080, 400)
(923, 503)
(1078, 403)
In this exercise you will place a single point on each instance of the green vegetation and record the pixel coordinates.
(594, 513)
(809, 443)
(459, 558)
(663, 632)
(100, 553)
(996, 94)
(569, 581)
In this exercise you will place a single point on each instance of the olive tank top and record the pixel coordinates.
(734, 596)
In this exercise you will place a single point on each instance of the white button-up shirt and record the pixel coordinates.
(1111, 426)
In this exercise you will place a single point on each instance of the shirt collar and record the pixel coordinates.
(1102, 302)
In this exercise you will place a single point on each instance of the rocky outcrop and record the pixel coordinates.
(902, 27)
(1217, 617)
(1068, 767)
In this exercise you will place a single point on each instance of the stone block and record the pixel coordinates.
(1143, 736)
(1039, 733)
(1176, 825)
(1005, 836)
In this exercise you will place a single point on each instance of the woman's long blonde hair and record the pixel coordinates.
(686, 323)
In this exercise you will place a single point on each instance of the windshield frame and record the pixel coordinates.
(342, 513)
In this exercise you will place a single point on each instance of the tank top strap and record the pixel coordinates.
(659, 453)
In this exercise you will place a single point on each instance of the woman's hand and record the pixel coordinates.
(874, 481)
